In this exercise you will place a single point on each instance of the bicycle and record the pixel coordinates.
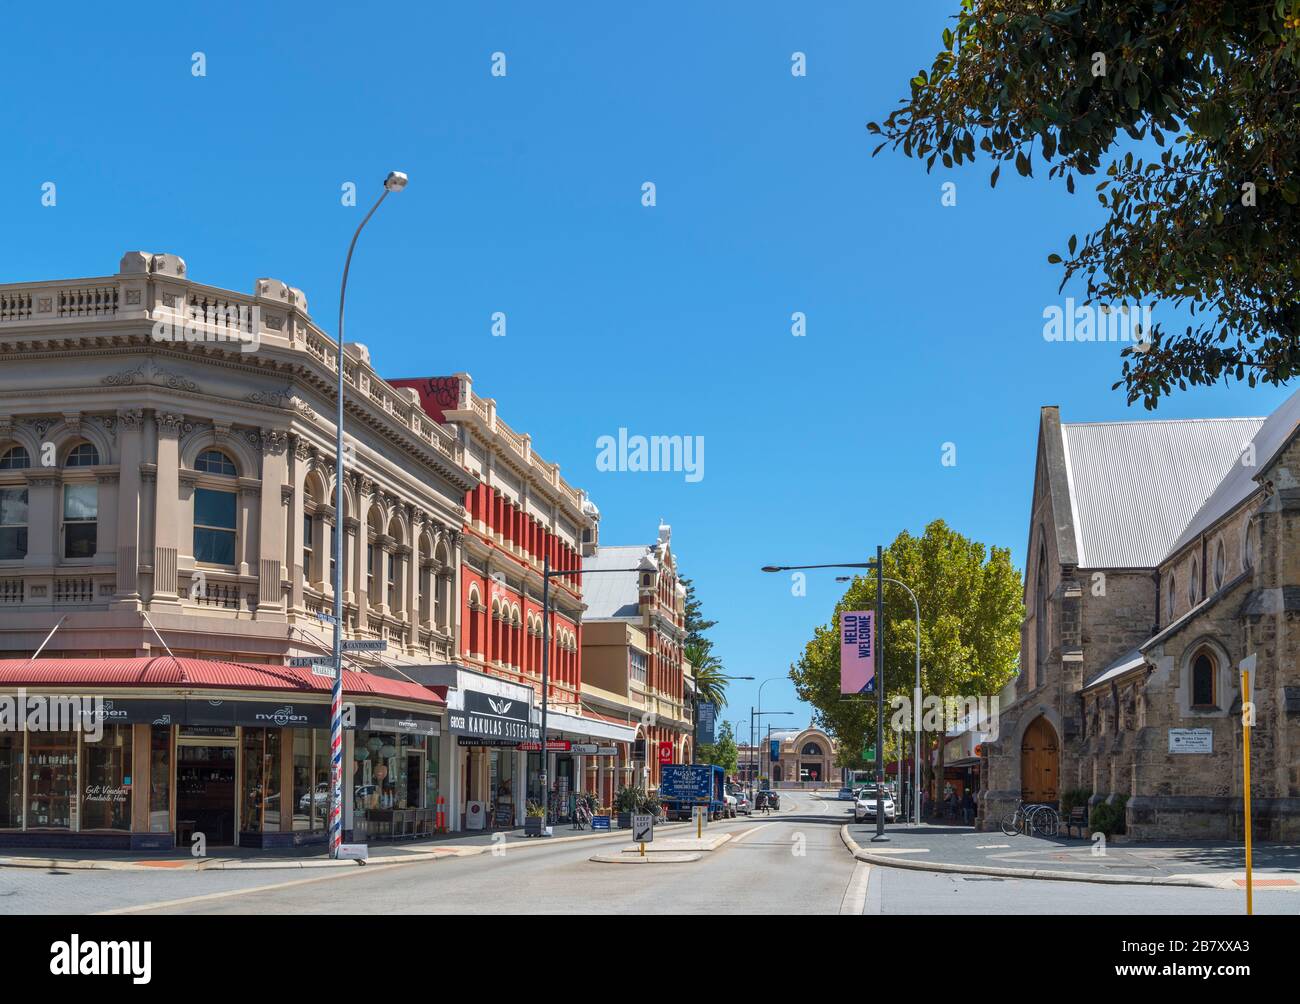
(1033, 818)
(581, 815)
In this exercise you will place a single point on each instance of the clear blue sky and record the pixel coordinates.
(924, 321)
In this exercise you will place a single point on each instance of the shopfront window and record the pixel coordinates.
(501, 778)
(52, 776)
(160, 779)
(302, 780)
(375, 781)
(106, 792)
(11, 780)
(261, 779)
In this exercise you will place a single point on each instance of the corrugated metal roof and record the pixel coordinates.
(1239, 479)
(1134, 486)
(1128, 661)
(612, 594)
(164, 671)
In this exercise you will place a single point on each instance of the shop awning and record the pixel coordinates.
(185, 674)
(581, 727)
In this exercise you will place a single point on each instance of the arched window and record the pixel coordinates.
(82, 455)
(1194, 583)
(215, 462)
(1220, 564)
(1247, 547)
(15, 458)
(1171, 599)
(810, 749)
(1040, 606)
(1203, 675)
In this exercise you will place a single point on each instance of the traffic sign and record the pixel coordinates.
(366, 645)
(643, 828)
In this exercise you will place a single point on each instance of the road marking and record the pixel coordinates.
(854, 902)
(762, 826)
(990, 847)
(230, 893)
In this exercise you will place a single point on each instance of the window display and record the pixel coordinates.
(261, 751)
(11, 780)
(52, 777)
(106, 791)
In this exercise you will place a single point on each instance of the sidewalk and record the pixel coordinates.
(448, 845)
(936, 847)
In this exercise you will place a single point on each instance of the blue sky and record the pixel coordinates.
(924, 322)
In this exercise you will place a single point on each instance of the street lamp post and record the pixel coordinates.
(878, 682)
(751, 731)
(549, 573)
(395, 182)
(753, 741)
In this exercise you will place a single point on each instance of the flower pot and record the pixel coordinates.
(625, 820)
(533, 826)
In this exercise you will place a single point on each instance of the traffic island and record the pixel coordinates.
(897, 857)
(651, 858)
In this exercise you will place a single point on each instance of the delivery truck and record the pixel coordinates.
(683, 786)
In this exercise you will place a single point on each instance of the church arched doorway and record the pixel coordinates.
(1040, 762)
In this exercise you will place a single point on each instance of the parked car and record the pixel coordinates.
(773, 798)
(846, 795)
(743, 804)
(864, 807)
(730, 811)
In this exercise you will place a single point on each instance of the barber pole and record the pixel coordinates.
(336, 762)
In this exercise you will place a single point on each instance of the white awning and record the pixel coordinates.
(578, 727)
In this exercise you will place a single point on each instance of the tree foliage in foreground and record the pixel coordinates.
(1211, 222)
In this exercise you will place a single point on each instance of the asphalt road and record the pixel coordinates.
(786, 863)
(789, 862)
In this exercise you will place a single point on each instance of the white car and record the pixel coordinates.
(732, 806)
(864, 806)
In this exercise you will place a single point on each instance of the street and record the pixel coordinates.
(792, 862)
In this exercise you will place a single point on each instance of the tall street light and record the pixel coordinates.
(753, 742)
(395, 182)
(695, 713)
(877, 681)
(759, 705)
(647, 564)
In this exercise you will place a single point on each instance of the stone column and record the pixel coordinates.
(130, 436)
(453, 625)
(271, 529)
(297, 510)
(359, 572)
(166, 548)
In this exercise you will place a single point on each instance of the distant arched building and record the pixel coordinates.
(806, 759)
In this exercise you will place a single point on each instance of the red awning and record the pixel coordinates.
(164, 671)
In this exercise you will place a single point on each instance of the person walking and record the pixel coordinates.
(968, 808)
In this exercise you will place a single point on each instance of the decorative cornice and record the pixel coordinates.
(274, 442)
(149, 372)
(172, 426)
(131, 419)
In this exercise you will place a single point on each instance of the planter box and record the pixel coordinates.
(625, 820)
(533, 826)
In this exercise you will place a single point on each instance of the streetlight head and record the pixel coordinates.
(395, 181)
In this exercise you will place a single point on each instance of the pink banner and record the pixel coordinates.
(857, 651)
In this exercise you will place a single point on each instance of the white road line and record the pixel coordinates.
(164, 904)
(854, 902)
(761, 826)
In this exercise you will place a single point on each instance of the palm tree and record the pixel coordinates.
(710, 683)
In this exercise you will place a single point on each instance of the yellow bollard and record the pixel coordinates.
(642, 848)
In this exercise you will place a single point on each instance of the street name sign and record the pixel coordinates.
(366, 645)
(325, 669)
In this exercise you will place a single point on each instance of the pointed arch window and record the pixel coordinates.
(1204, 671)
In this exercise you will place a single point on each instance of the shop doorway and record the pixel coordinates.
(205, 793)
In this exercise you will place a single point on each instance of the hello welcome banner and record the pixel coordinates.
(857, 651)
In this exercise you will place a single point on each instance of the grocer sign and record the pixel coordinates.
(491, 717)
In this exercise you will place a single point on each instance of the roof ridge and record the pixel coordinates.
(1164, 421)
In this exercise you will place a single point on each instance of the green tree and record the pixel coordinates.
(1210, 222)
(696, 624)
(709, 676)
(723, 752)
(971, 600)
